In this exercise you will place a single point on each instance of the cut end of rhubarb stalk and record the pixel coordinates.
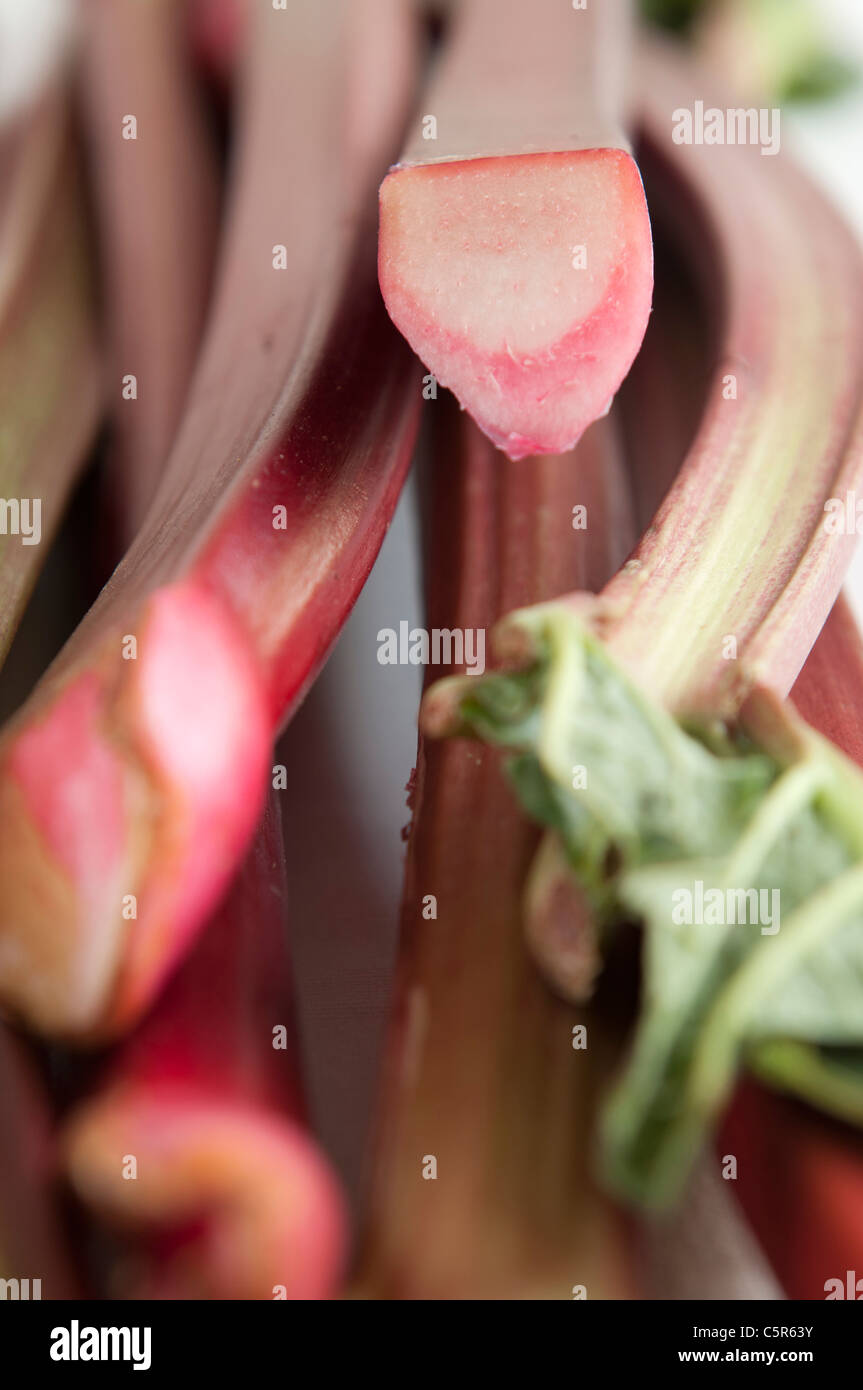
(241, 1202)
(124, 804)
(524, 284)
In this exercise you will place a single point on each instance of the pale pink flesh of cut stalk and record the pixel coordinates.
(515, 252)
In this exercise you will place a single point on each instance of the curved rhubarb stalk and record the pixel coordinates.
(157, 195)
(194, 1146)
(732, 511)
(50, 387)
(709, 622)
(157, 718)
(483, 1080)
(515, 250)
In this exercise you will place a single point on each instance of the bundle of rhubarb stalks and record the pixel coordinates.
(250, 254)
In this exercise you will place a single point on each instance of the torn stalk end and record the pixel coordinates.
(122, 810)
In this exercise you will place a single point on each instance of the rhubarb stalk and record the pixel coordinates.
(480, 1186)
(193, 1148)
(664, 690)
(136, 772)
(515, 250)
(154, 165)
(50, 386)
(800, 1184)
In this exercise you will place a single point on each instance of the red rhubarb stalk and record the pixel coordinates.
(829, 690)
(800, 1183)
(515, 251)
(156, 191)
(137, 770)
(484, 1080)
(194, 1148)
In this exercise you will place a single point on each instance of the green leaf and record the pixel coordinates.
(745, 865)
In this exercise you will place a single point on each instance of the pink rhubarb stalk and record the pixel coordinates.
(156, 190)
(515, 251)
(193, 1149)
(136, 772)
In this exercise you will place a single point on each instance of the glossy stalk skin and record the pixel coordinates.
(800, 1175)
(157, 205)
(142, 776)
(231, 1198)
(482, 1075)
(515, 249)
(50, 359)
